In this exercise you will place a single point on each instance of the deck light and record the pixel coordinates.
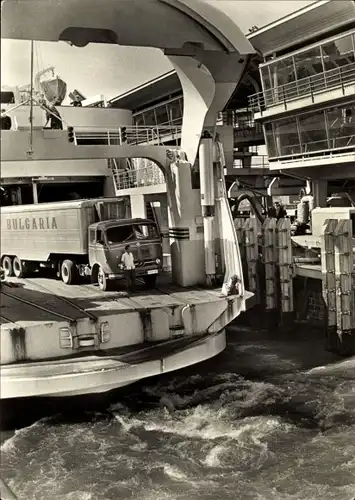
(71, 134)
(123, 134)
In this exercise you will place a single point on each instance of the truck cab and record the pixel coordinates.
(107, 242)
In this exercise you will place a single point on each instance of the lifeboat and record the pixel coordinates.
(54, 90)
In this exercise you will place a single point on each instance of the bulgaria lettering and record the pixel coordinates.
(29, 223)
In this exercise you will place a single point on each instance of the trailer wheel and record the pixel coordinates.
(103, 282)
(68, 272)
(7, 266)
(150, 280)
(19, 268)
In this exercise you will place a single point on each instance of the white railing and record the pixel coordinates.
(260, 161)
(130, 135)
(338, 77)
(139, 177)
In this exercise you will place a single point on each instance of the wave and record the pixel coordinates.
(209, 434)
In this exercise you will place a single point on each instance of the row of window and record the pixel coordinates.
(330, 129)
(169, 113)
(309, 62)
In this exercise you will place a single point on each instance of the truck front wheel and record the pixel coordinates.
(7, 266)
(68, 272)
(103, 282)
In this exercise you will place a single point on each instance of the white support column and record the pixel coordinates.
(164, 216)
(19, 195)
(138, 208)
(186, 226)
(208, 204)
(35, 192)
(320, 192)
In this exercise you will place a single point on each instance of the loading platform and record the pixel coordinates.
(60, 340)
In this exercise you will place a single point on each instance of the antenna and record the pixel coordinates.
(30, 150)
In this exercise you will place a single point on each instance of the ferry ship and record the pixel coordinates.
(60, 339)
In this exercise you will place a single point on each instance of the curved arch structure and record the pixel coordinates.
(206, 47)
(210, 55)
(130, 22)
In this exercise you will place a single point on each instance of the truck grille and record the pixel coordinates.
(144, 253)
(140, 263)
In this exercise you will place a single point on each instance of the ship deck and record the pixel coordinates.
(148, 332)
(25, 301)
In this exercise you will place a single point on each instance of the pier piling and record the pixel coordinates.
(329, 284)
(313, 281)
(285, 264)
(344, 265)
(270, 258)
(250, 228)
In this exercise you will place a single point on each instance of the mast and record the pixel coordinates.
(30, 151)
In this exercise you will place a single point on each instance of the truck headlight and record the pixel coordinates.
(157, 261)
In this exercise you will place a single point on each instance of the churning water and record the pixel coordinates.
(268, 419)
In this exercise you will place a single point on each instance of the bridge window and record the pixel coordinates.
(308, 63)
(266, 77)
(139, 120)
(313, 132)
(149, 118)
(341, 127)
(167, 113)
(294, 75)
(338, 53)
(330, 129)
(282, 72)
(287, 138)
(270, 140)
(175, 111)
(161, 114)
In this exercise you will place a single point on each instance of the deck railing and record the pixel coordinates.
(333, 78)
(130, 135)
(261, 161)
(140, 177)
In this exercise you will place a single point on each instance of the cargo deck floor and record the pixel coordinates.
(36, 300)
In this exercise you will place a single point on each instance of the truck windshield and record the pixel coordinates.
(131, 232)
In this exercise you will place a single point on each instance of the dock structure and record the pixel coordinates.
(269, 255)
(317, 288)
(329, 283)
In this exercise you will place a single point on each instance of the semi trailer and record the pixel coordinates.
(79, 238)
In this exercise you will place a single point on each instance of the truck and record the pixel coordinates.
(79, 238)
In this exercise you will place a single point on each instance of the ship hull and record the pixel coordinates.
(94, 374)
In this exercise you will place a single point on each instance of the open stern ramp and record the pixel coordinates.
(60, 340)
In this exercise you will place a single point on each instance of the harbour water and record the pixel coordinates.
(271, 418)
